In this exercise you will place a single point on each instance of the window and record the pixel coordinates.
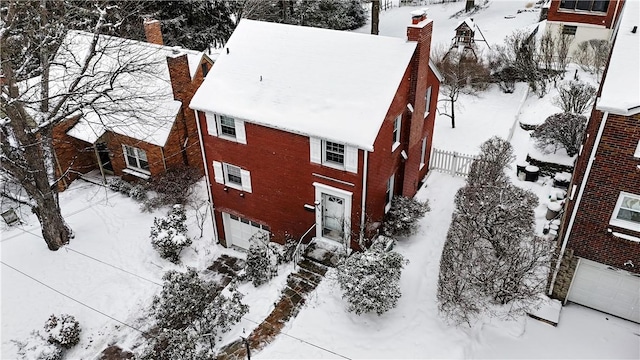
(423, 153)
(569, 29)
(397, 126)
(136, 158)
(389, 194)
(333, 153)
(205, 69)
(226, 127)
(232, 176)
(427, 100)
(585, 5)
(627, 212)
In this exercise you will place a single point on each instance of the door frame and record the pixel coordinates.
(321, 189)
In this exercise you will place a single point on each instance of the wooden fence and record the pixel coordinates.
(451, 162)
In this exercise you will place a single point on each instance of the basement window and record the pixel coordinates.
(569, 29)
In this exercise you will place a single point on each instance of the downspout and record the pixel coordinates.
(365, 172)
(164, 161)
(615, 23)
(592, 157)
(206, 176)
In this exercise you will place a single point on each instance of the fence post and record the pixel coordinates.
(454, 163)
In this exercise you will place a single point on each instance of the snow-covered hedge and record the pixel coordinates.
(262, 260)
(370, 280)
(402, 218)
(61, 333)
(63, 330)
(169, 234)
(36, 347)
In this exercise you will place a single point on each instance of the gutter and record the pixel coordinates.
(592, 157)
(206, 176)
(365, 172)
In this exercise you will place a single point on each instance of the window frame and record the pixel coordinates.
(397, 132)
(325, 151)
(427, 99)
(572, 5)
(624, 223)
(222, 127)
(227, 175)
(636, 154)
(423, 152)
(137, 152)
(388, 195)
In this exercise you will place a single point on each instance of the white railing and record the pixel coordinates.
(451, 162)
(301, 247)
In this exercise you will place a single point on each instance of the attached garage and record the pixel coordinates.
(238, 231)
(607, 289)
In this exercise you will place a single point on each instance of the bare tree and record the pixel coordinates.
(548, 51)
(75, 73)
(574, 97)
(463, 72)
(561, 130)
(563, 42)
(592, 55)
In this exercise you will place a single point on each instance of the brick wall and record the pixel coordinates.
(71, 154)
(585, 17)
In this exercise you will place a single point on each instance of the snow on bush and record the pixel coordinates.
(574, 97)
(138, 192)
(36, 347)
(175, 186)
(63, 330)
(169, 234)
(561, 130)
(402, 218)
(191, 314)
(370, 280)
(262, 260)
(119, 185)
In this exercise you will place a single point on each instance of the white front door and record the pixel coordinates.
(332, 217)
(238, 231)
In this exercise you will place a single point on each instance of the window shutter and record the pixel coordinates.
(212, 129)
(217, 171)
(241, 136)
(124, 152)
(315, 150)
(351, 159)
(246, 180)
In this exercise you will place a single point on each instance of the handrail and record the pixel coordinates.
(301, 247)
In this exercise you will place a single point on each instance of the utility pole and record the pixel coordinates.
(375, 16)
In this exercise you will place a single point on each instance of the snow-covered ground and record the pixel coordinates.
(111, 267)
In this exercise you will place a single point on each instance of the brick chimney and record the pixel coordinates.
(419, 31)
(153, 32)
(180, 76)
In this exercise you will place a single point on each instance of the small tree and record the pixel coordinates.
(370, 279)
(592, 55)
(63, 331)
(563, 129)
(262, 260)
(548, 50)
(402, 218)
(563, 43)
(169, 234)
(575, 97)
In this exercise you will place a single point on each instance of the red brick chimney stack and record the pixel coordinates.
(153, 32)
(418, 15)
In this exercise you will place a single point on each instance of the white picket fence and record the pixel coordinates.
(451, 162)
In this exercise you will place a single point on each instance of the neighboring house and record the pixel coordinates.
(583, 19)
(600, 234)
(158, 132)
(308, 129)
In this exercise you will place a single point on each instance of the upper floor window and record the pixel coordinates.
(627, 212)
(423, 153)
(388, 196)
(333, 154)
(136, 158)
(205, 69)
(427, 101)
(232, 176)
(397, 126)
(226, 127)
(585, 5)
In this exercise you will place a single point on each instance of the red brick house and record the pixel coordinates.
(600, 233)
(308, 129)
(158, 133)
(584, 19)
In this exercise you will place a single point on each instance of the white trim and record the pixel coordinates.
(134, 172)
(136, 167)
(332, 179)
(245, 175)
(241, 134)
(625, 236)
(218, 173)
(333, 164)
(315, 150)
(365, 172)
(229, 183)
(427, 106)
(206, 177)
(637, 153)
(347, 196)
(391, 182)
(351, 159)
(212, 127)
(397, 132)
(630, 225)
(423, 153)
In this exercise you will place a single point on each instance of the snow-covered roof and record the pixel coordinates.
(469, 22)
(330, 84)
(146, 110)
(621, 88)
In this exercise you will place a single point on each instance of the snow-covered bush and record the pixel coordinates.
(402, 218)
(191, 314)
(119, 185)
(370, 280)
(489, 168)
(564, 130)
(169, 234)
(174, 186)
(262, 260)
(36, 347)
(574, 97)
(63, 330)
(138, 192)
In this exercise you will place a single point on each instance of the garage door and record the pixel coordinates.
(607, 289)
(238, 230)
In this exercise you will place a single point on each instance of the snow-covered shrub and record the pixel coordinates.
(402, 218)
(169, 234)
(564, 130)
(119, 185)
(36, 347)
(370, 280)
(174, 186)
(262, 260)
(574, 97)
(191, 315)
(138, 192)
(489, 168)
(63, 330)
